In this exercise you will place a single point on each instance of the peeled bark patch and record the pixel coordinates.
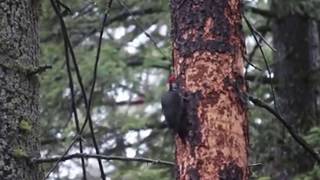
(208, 52)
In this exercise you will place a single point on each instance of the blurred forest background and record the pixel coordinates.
(132, 73)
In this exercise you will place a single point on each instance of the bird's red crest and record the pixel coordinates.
(171, 79)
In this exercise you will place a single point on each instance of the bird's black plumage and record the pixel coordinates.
(173, 108)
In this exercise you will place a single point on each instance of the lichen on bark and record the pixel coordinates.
(19, 94)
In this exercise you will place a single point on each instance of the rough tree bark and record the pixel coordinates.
(19, 90)
(297, 63)
(208, 52)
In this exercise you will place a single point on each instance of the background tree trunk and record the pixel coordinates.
(296, 38)
(19, 90)
(208, 52)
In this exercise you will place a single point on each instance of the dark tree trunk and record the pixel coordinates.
(297, 65)
(19, 90)
(296, 39)
(208, 52)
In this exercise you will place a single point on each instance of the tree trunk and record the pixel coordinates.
(208, 52)
(296, 38)
(19, 90)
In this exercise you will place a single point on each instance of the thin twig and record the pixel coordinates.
(251, 64)
(119, 17)
(73, 106)
(113, 158)
(87, 103)
(251, 28)
(141, 29)
(95, 71)
(255, 165)
(59, 159)
(249, 58)
(291, 131)
(260, 79)
(57, 9)
(64, 31)
(108, 158)
(263, 39)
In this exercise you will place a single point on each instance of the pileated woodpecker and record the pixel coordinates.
(173, 108)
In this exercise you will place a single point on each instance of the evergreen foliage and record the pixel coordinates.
(131, 77)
